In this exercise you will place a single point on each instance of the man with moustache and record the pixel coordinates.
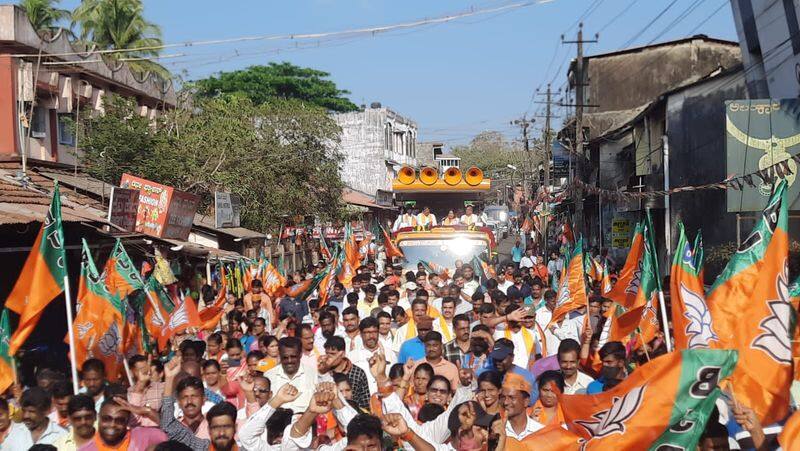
(35, 403)
(81, 415)
(222, 427)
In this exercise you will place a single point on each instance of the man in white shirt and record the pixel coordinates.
(36, 427)
(575, 381)
(545, 314)
(406, 219)
(516, 398)
(469, 218)
(527, 342)
(255, 434)
(426, 218)
(291, 372)
(367, 345)
(563, 329)
(528, 260)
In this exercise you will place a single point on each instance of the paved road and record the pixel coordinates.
(504, 249)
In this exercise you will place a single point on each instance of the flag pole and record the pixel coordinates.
(663, 307)
(71, 331)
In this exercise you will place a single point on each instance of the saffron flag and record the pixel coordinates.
(788, 438)
(664, 404)
(598, 272)
(351, 257)
(273, 280)
(303, 290)
(642, 308)
(184, 317)
(752, 311)
(328, 282)
(624, 291)
(6, 359)
(155, 316)
(100, 320)
(211, 315)
(324, 250)
(42, 276)
(572, 292)
(691, 319)
(121, 276)
(391, 248)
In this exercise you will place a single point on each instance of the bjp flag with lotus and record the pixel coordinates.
(572, 292)
(691, 319)
(751, 308)
(43, 275)
(624, 291)
(100, 321)
(664, 404)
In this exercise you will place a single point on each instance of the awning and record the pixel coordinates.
(358, 198)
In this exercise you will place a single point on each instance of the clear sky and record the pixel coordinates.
(454, 79)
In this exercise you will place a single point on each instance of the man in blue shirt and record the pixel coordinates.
(517, 252)
(415, 347)
(501, 359)
(613, 356)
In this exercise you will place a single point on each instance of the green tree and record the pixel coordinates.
(45, 16)
(492, 153)
(278, 80)
(276, 156)
(120, 24)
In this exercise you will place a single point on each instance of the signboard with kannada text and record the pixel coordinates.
(227, 209)
(163, 211)
(122, 208)
(621, 231)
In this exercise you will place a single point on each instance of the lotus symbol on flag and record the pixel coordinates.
(633, 286)
(179, 317)
(775, 341)
(699, 329)
(84, 328)
(612, 421)
(109, 342)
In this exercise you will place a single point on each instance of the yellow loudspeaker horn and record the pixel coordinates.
(428, 175)
(407, 175)
(474, 176)
(452, 176)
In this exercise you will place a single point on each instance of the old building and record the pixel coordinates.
(375, 143)
(632, 96)
(46, 83)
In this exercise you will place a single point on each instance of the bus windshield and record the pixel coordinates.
(442, 252)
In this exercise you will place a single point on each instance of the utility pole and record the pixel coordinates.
(580, 83)
(524, 123)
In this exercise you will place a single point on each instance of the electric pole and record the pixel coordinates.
(580, 156)
(524, 123)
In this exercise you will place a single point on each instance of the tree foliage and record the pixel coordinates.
(491, 152)
(44, 15)
(120, 24)
(277, 156)
(278, 80)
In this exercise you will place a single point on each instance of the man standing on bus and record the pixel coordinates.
(470, 218)
(426, 219)
(406, 219)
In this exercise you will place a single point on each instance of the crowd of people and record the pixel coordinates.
(401, 359)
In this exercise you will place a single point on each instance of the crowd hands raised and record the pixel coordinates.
(411, 360)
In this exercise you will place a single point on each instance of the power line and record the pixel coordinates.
(619, 14)
(303, 36)
(649, 24)
(703, 22)
(677, 20)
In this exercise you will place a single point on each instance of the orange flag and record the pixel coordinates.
(789, 438)
(273, 280)
(121, 275)
(100, 320)
(391, 248)
(210, 316)
(572, 292)
(328, 282)
(6, 360)
(183, 317)
(624, 291)
(42, 276)
(751, 309)
(691, 319)
(664, 404)
(351, 257)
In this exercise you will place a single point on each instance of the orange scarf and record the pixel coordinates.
(122, 446)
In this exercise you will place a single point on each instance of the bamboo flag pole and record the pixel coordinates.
(71, 331)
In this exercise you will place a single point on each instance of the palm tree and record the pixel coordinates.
(44, 16)
(120, 24)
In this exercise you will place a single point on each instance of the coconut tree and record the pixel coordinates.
(120, 24)
(45, 16)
